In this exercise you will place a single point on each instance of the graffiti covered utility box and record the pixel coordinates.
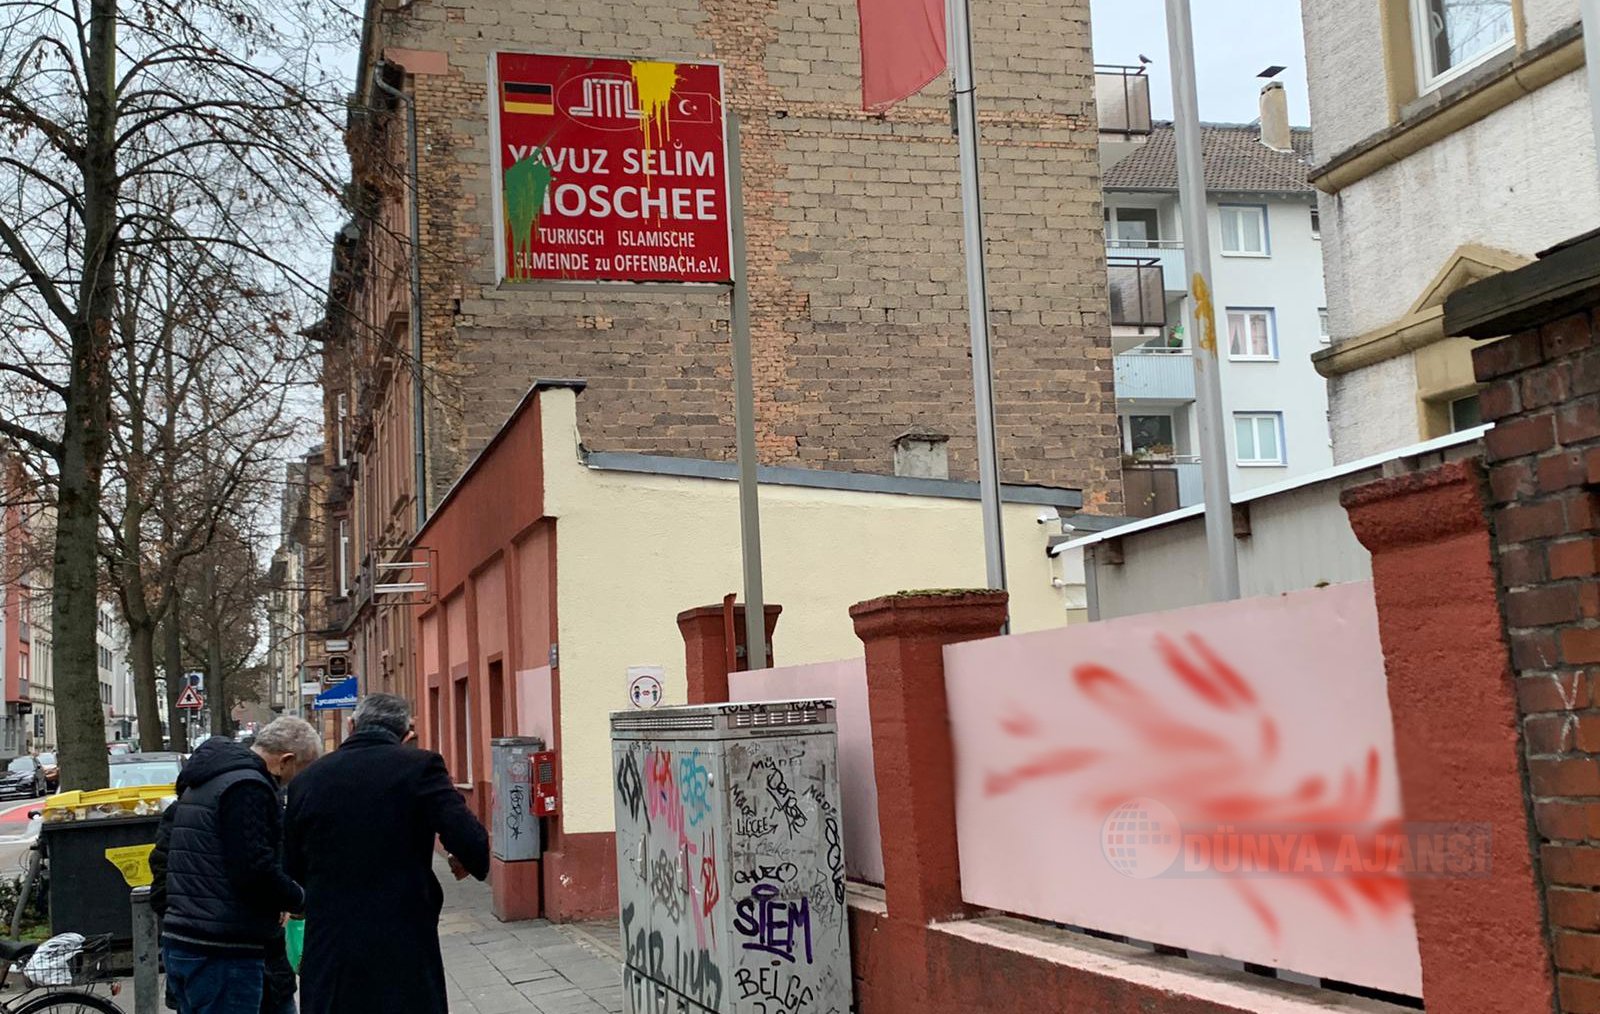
(730, 867)
(514, 824)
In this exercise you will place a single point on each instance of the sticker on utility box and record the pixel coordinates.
(644, 685)
(133, 861)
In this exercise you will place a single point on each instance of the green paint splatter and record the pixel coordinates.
(525, 184)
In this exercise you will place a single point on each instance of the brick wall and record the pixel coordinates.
(857, 292)
(1544, 455)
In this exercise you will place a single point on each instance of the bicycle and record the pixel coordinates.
(79, 969)
(86, 966)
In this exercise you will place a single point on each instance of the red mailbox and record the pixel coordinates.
(545, 797)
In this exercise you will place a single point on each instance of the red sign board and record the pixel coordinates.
(610, 170)
(191, 699)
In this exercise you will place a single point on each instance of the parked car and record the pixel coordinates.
(131, 769)
(23, 776)
(52, 770)
(119, 748)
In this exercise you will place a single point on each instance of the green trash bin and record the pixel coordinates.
(88, 892)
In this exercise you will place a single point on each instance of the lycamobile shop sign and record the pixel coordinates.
(610, 170)
(341, 695)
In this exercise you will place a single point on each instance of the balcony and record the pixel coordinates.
(1166, 252)
(1154, 375)
(1138, 295)
(1152, 487)
(1122, 95)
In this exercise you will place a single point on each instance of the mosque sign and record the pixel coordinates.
(609, 170)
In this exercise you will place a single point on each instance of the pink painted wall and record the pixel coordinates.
(1099, 766)
(536, 705)
(846, 682)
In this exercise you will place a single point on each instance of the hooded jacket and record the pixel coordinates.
(225, 885)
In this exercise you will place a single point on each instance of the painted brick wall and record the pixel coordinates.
(855, 262)
(1544, 454)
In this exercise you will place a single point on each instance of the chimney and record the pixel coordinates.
(1275, 117)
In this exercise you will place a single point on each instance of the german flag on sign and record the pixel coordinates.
(519, 97)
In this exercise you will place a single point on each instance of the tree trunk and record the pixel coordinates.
(177, 718)
(80, 721)
(143, 652)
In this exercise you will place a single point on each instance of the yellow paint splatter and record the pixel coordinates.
(1204, 313)
(652, 84)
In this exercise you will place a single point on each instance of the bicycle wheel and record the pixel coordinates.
(68, 1003)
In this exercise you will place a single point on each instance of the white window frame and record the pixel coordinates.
(1272, 333)
(1266, 235)
(1323, 325)
(1316, 221)
(344, 557)
(1276, 418)
(1427, 78)
(1113, 222)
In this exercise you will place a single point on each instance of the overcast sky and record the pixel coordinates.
(1234, 41)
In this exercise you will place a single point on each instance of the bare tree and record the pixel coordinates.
(204, 371)
(217, 106)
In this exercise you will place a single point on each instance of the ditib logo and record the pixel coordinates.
(1141, 839)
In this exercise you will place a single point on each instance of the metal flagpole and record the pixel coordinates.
(977, 290)
(1591, 50)
(1221, 554)
(744, 416)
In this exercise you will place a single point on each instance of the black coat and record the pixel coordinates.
(361, 827)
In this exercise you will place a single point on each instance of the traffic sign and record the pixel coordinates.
(191, 699)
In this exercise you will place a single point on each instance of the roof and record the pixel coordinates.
(1059, 497)
(1236, 162)
(1198, 510)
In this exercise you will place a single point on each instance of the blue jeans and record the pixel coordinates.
(208, 984)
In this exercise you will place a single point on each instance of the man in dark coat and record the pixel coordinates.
(225, 891)
(361, 828)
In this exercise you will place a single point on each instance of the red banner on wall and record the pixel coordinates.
(610, 170)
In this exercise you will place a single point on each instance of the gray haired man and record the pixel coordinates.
(220, 852)
(361, 831)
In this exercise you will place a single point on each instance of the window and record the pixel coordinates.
(462, 746)
(344, 557)
(1244, 230)
(1465, 413)
(1455, 35)
(1322, 325)
(1316, 222)
(1258, 438)
(342, 411)
(1150, 436)
(1132, 227)
(1251, 334)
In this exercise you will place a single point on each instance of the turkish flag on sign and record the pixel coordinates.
(902, 49)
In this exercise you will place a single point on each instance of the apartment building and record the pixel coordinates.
(1454, 141)
(292, 645)
(1268, 282)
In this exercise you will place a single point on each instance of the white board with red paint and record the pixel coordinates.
(1220, 778)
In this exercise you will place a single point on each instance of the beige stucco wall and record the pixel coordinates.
(635, 550)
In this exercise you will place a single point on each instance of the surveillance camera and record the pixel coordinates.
(1048, 515)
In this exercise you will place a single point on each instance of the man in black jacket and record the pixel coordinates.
(360, 831)
(226, 891)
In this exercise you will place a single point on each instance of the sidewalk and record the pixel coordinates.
(525, 967)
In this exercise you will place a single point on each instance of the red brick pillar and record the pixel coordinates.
(1455, 723)
(914, 759)
(1543, 394)
(705, 647)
